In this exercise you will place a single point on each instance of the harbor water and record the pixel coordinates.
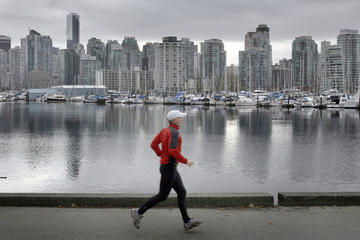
(87, 148)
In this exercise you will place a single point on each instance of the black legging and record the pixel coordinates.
(170, 178)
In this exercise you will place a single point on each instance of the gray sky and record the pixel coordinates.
(150, 20)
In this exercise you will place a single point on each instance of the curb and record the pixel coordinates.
(319, 199)
(132, 200)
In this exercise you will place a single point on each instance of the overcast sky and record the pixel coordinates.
(150, 20)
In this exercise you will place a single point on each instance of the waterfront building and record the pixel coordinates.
(96, 48)
(74, 50)
(40, 79)
(113, 54)
(213, 63)
(58, 73)
(305, 59)
(109, 78)
(190, 50)
(170, 67)
(136, 81)
(349, 40)
(72, 67)
(4, 78)
(72, 30)
(331, 68)
(17, 67)
(38, 57)
(232, 83)
(255, 62)
(148, 56)
(88, 67)
(281, 75)
(5, 44)
(131, 55)
(197, 71)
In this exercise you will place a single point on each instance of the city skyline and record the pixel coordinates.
(149, 22)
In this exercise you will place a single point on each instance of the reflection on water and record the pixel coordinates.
(91, 148)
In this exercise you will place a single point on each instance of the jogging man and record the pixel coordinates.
(170, 154)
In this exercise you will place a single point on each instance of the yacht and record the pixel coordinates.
(245, 101)
(154, 100)
(354, 101)
(306, 102)
(77, 99)
(57, 97)
(90, 99)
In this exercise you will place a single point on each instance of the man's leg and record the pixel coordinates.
(181, 195)
(166, 182)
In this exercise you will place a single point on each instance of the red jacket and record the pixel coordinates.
(170, 140)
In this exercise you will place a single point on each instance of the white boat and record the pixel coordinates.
(90, 99)
(77, 99)
(209, 102)
(2, 98)
(337, 102)
(114, 100)
(320, 102)
(269, 103)
(245, 101)
(21, 97)
(287, 103)
(57, 97)
(154, 100)
(306, 102)
(171, 101)
(197, 101)
(354, 101)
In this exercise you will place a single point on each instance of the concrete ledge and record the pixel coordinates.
(132, 200)
(319, 199)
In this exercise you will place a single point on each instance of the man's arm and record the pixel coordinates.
(155, 144)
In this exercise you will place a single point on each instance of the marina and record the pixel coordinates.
(291, 99)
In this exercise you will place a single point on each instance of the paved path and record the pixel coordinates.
(249, 223)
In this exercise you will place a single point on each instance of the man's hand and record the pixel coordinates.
(190, 163)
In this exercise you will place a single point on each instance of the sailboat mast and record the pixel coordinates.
(213, 80)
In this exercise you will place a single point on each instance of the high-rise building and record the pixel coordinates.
(74, 50)
(232, 83)
(96, 48)
(4, 78)
(255, 62)
(17, 67)
(135, 81)
(253, 69)
(349, 40)
(281, 75)
(213, 63)
(72, 67)
(148, 57)
(331, 68)
(131, 55)
(190, 49)
(305, 58)
(58, 73)
(113, 54)
(38, 57)
(170, 67)
(88, 67)
(109, 78)
(72, 30)
(5, 44)
(197, 71)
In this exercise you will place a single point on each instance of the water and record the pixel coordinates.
(106, 149)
